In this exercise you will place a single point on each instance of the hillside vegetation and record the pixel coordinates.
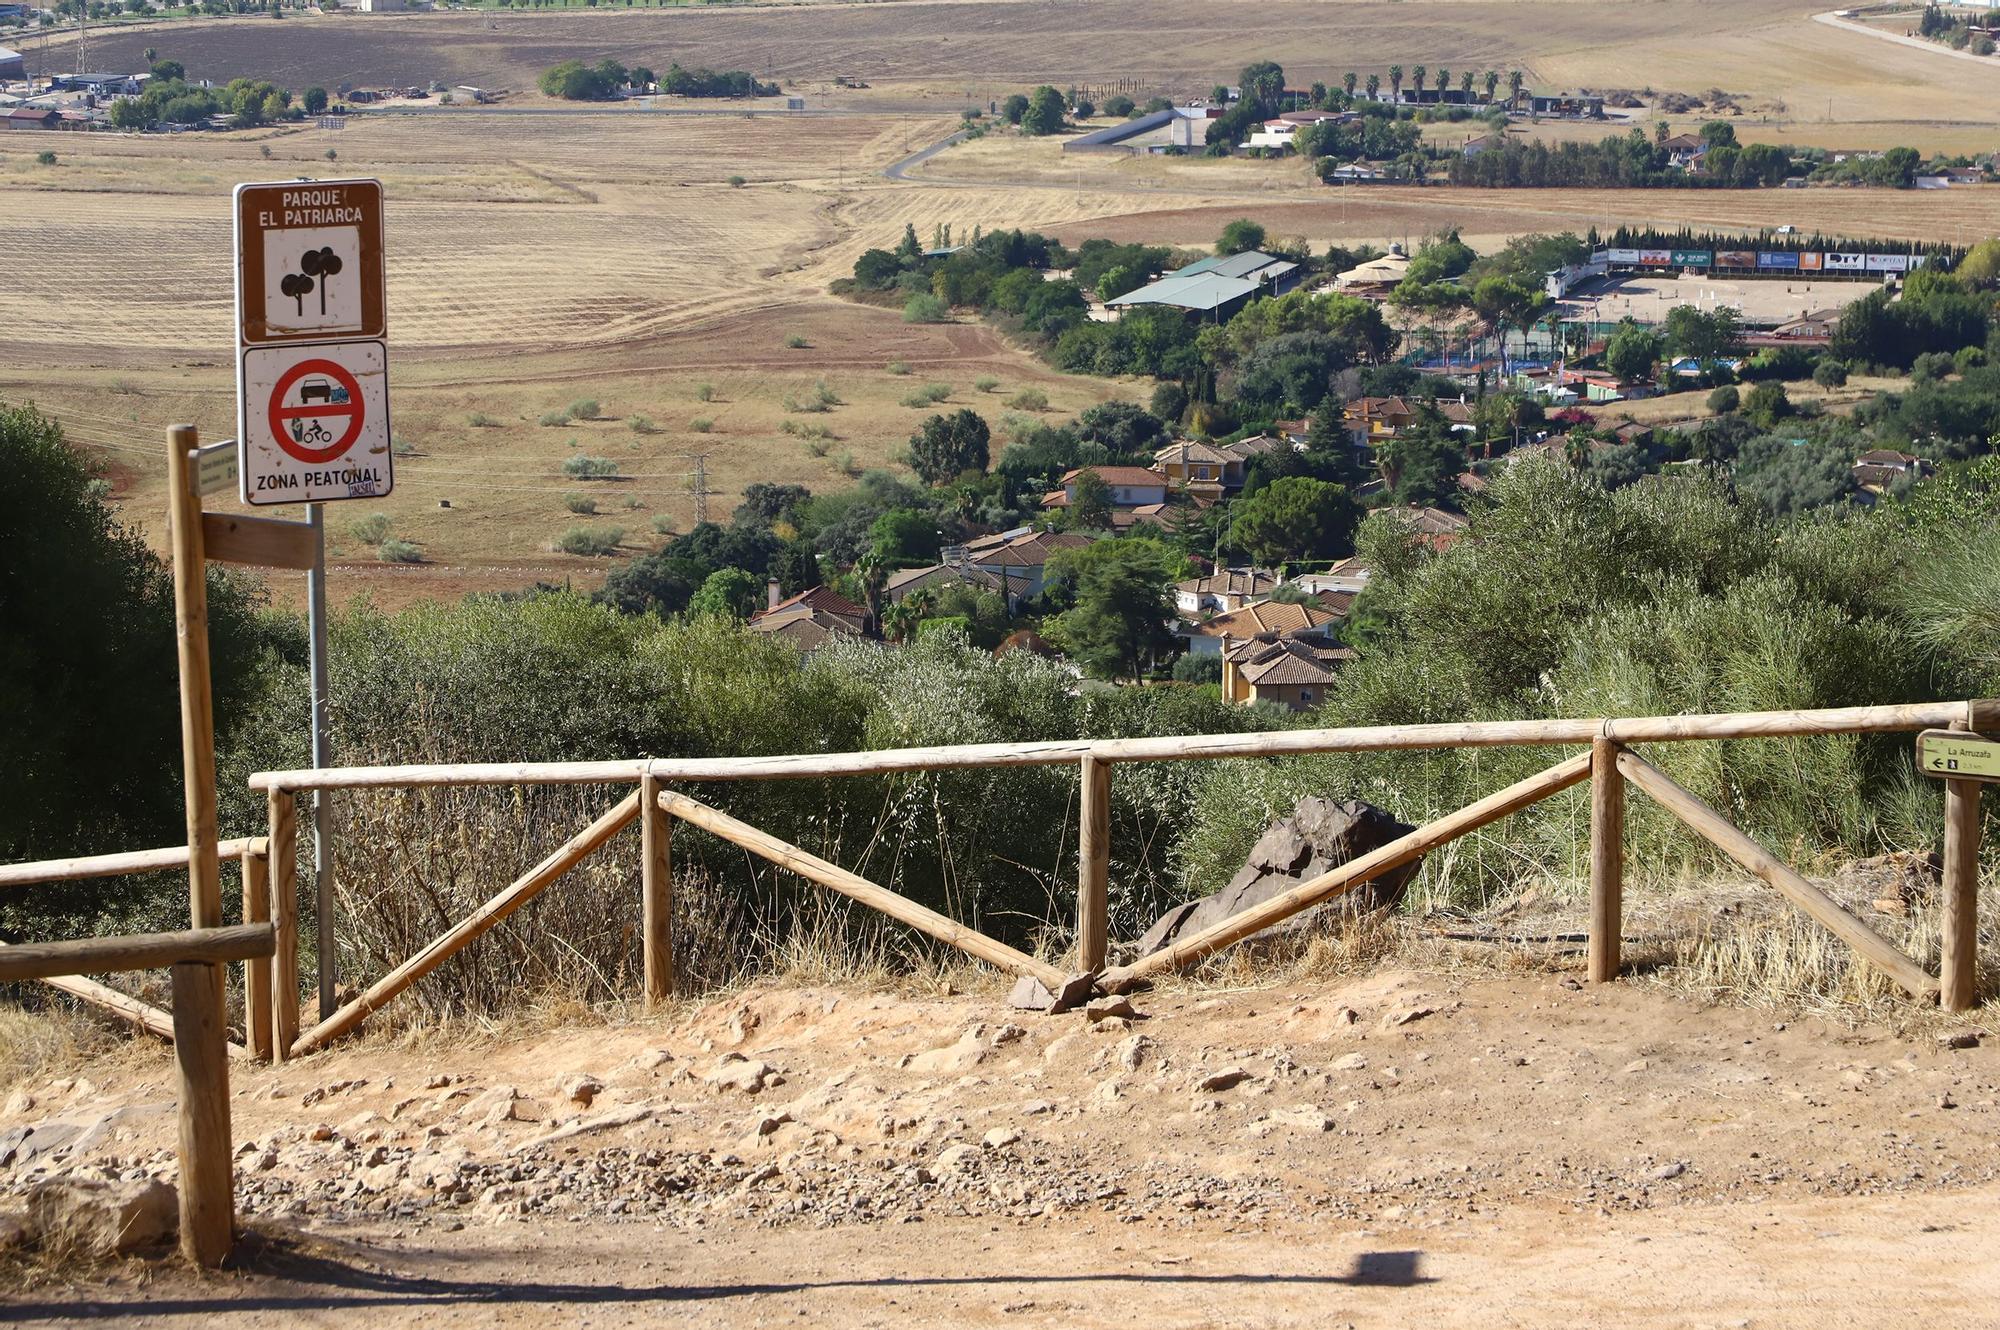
(1567, 599)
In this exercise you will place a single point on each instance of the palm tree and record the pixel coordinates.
(1374, 85)
(1465, 84)
(1396, 82)
(1420, 71)
(1347, 81)
(1444, 81)
(1514, 81)
(1492, 82)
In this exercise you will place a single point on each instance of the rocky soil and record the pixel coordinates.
(1414, 1102)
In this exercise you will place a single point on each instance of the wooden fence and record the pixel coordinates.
(251, 853)
(196, 957)
(1610, 765)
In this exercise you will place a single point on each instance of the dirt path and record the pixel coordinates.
(1821, 1266)
(1398, 1148)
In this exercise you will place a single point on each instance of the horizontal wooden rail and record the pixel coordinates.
(1354, 872)
(446, 944)
(1719, 831)
(115, 865)
(897, 906)
(1168, 748)
(136, 951)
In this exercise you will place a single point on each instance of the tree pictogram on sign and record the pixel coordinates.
(321, 421)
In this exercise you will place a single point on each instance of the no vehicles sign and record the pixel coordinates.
(315, 423)
(312, 382)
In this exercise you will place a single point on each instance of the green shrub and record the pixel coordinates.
(701, 424)
(797, 342)
(643, 425)
(480, 420)
(737, 182)
(556, 418)
(592, 542)
(704, 392)
(924, 307)
(581, 504)
(898, 367)
(986, 383)
(399, 551)
(821, 398)
(585, 467)
(1830, 373)
(1029, 399)
(370, 530)
(1724, 400)
(663, 525)
(45, 158)
(584, 408)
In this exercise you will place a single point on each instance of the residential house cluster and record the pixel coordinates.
(1199, 472)
(1284, 652)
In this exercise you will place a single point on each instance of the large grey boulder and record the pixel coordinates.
(1317, 835)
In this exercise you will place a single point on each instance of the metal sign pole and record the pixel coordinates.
(322, 756)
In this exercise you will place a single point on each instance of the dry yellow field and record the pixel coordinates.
(540, 255)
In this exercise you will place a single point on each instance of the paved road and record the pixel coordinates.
(1832, 20)
(897, 170)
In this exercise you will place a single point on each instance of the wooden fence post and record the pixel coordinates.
(1093, 860)
(207, 1198)
(190, 573)
(1958, 933)
(257, 1007)
(284, 852)
(656, 891)
(1607, 860)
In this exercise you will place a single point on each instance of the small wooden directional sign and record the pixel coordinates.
(1958, 755)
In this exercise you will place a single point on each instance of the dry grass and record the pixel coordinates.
(1714, 939)
(50, 1040)
(1768, 52)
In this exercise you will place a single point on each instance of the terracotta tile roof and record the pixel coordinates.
(1118, 475)
(1196, 451)
(1287, 670)
(1338, 603)
(1267, 616)
(816, 598)
(1029, 551)
(1431, 521)
(1232, 582)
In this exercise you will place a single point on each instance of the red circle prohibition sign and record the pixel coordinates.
(350, 411)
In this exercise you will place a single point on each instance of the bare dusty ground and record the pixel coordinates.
(1397, 1148)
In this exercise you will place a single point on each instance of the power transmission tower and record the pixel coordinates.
(699, 487)
(83, 36)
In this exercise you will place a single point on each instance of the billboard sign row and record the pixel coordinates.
(1771, 261)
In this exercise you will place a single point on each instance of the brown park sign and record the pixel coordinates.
(309, 262)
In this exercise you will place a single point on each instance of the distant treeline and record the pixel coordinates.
(1634, 161)
(574, 81)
